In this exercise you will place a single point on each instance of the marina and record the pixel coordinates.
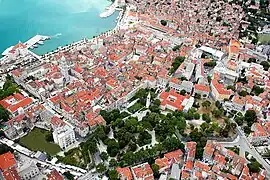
(37, 39)
(29, 44)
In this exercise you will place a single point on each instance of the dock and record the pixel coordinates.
(37, 39)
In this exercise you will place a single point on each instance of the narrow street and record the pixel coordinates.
(242, 142)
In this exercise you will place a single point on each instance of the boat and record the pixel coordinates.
(40, 42)
(35, 46)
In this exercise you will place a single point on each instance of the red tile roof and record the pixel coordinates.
(202, 166)
(200, 87)
(54, 175)
(125, 173)
(7, 160)
(11, 174)
(172, 98)
(143, 171)
(162, 162)
(174, 156)
(23, 103)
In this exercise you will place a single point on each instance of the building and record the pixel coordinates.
(208, 151)
(187, 86)
(216, 54)
(10, 174)
(55, 175)
(17, 104)
(219, 92)
(175, 172)
(64, 136)
(7, 161)
(259, 136)
(175, 84)
(190, 150)
(142, 172)
(174, 156)
(238, 103)
(124, 173)
(94, 120)
(201, 89)
(163, 164)
(28, 170)
(171, 100)
(8, 166)
(189, 71)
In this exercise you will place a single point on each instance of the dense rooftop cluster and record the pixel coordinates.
(186, 53)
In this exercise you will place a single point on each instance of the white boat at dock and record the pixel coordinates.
(40, 42)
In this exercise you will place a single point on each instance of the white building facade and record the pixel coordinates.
(64, 136)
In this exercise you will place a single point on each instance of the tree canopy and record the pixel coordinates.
(176, 63)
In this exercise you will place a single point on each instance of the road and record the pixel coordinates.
(29, 154)
(242, 142)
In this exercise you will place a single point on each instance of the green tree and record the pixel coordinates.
(239, 120)
(101, 168)
(104, 156)
(68, 175)
(100, 133)
(197, 116)
(49, 137)
(250, 60)
(112, 147)
(176, 63)
(206, 104)
(4, 114)
(231, 87)
(129, 158)
(254, 167)
(257, 90)
(155, 169)
(183, 92)
(113, 163)
(211, 64)
(4, 149)
(163, 23)
(265, 65)
(172, 143)
(144, 138)
(206, 117)
(250, 117)
(243, 93)
(204, 126)
(113, 175)
(217, 113)
(177, 47)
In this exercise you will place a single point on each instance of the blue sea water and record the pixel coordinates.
(65, 20)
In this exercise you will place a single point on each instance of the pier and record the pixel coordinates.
(36, 39)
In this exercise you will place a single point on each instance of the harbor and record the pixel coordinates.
(37, 39)
(29, 44)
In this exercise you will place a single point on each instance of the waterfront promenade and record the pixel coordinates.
(110, 10)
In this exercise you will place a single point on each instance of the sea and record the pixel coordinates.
(66, 21)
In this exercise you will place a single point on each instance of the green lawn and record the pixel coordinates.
(264, 38)
(136, 107)
(35, 141)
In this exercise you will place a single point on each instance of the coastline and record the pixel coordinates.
(71, 23)
(120, 19)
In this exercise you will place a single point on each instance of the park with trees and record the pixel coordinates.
(129, 140)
